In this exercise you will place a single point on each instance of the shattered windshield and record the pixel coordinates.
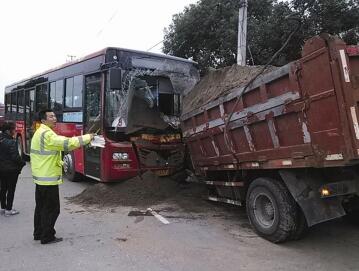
(150, 95)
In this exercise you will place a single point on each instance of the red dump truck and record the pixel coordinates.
(286, 145)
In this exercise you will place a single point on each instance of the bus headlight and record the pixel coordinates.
(120, 156)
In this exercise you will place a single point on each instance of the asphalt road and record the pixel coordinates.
(217, 238)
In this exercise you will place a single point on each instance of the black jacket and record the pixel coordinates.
(10, 160)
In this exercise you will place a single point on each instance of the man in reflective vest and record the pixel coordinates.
(46, 167)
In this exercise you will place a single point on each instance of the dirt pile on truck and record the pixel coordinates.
(217, 83)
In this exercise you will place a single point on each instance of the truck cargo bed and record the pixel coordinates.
(304, 114)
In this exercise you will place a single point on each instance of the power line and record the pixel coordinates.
(158, 43)
(108, 21)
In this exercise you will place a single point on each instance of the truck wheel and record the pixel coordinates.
(69, 168)
(271, 210)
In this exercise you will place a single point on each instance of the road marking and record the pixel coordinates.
(158, 216)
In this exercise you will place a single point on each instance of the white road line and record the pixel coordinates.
(159, 217)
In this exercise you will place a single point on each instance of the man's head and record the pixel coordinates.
(48, 117)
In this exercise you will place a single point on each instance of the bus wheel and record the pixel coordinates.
(271, 210)
(69, 168)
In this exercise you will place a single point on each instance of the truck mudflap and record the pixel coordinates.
(319, 200)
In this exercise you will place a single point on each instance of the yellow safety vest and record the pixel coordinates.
(45, 154)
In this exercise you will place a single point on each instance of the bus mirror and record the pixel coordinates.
(115, 78)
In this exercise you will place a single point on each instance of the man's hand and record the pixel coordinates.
(92, 136)
(98, 141)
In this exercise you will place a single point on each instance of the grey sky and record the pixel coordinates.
(39, 34)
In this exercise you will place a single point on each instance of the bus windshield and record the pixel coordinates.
(150, 95)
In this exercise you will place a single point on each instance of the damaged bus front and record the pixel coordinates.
(142, 103)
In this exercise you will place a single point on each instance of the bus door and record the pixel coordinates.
(92, 156)
(29, 117)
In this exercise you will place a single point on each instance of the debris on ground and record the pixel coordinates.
(218, 83)
(142, 192)
(139, 213)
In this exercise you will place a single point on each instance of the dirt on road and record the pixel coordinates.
(143, 192)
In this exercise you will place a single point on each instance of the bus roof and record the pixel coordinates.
(99, 53)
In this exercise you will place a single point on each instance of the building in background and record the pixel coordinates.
(2, 114)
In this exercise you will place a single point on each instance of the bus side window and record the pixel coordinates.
(41, 97)
(13, 105)
(20, 104)
(52, 94)
(8, 103)
(69, 89)
(29, 106)
(73, 94)
(56, 95)
(77, 94)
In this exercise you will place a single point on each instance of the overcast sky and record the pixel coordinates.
(37, 35)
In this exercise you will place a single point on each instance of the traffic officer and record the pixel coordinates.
(46, 167)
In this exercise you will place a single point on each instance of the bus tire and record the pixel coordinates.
(69, 168)
(271, 210)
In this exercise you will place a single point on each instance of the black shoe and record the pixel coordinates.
(37, 238)
(55, 240)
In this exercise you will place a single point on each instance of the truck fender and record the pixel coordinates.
(304, 187)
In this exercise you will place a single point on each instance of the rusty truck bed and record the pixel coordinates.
(304, 114)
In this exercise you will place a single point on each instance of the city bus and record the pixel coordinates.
(130, 98)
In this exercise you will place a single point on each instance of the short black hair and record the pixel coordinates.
(8, 126)
(42, 114)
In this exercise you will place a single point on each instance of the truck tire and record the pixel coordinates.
(271, 210)
(69, 168)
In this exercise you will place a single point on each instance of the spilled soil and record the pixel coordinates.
(144, 192)
(218, 83)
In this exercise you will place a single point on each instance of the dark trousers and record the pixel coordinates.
(7, 189)
(47, 211)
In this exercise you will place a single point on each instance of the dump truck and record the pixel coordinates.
(283, 141)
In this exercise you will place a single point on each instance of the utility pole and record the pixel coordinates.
(242, 34)
(70, 58)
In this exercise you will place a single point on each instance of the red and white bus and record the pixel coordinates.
(131, 98)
